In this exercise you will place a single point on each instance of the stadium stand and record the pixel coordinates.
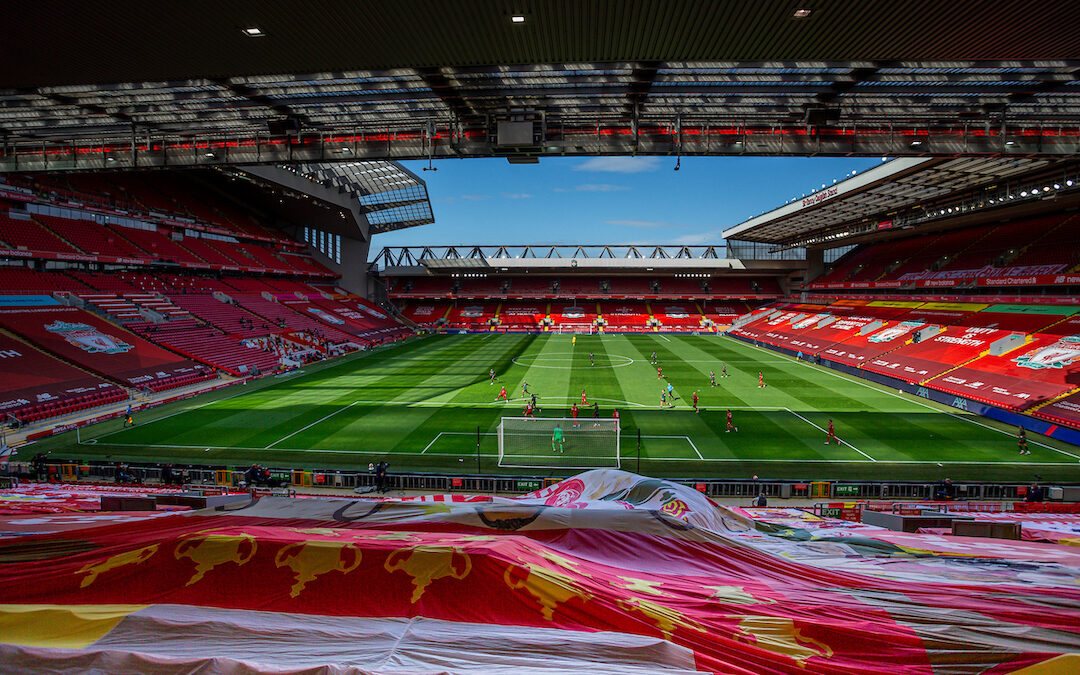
(25, 233)
(1016, 357)
(36, 386)
(91, 238)
(515, 315)
(86, 340)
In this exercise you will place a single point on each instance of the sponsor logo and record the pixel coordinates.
(88, 338)
(573, 313)
(676, 312)
(960, 403)
(425, 310)
(472, 311)
(1058, 355)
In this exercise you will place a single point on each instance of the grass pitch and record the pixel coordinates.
(425, 404)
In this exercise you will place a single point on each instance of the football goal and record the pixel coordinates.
(581, 328)
(559, 442)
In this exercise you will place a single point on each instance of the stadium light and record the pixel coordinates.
(916, 144)
(802, 13)
(1068, 183)
(1057, 186)
(1024, 193)
(254, 32)
(518, 18)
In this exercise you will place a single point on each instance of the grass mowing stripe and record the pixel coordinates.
(838, 439)
(859, 381)
(321, 419)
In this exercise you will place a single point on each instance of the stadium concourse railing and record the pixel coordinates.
(232, 477)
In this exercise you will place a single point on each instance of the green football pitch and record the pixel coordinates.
(427, 405)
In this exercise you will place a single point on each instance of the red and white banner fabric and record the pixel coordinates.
(606, 572)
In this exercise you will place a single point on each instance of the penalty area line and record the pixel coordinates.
(318, 421)
(826, 433)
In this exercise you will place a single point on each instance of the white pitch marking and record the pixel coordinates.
(825, 432)
(914, 400)
(318, 421)
(664, 459)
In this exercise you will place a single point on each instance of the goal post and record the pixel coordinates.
(574, 328)
(534, 443)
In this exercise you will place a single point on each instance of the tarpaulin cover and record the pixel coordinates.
(28, 376)
(607, 572)
(919, 361)
(1040, 370)
(95, 344)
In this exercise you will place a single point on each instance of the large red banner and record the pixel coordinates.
(95, 344)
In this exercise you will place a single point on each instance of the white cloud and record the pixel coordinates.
(476, 198)
(517, 195)
(620, 164)
(710, 237)
(600, 187)
(641, 223)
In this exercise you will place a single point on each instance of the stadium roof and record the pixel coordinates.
(167, 84)
(392, 197)
(571, 258)
(879, 192)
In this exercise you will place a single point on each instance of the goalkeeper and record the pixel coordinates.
(557, 439)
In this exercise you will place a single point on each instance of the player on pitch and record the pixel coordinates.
(712, 379)
(615, 416)
(723, 370)
(695, 397)
(832, 434)
(491, 372)
(1021, 442)
(584, 401)
(557, 440)
(573, 413)
(659, 372)
(502, 395)
(730, 423)
(760, 380)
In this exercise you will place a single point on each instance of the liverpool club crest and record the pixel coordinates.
(1058, 355)
(88, 338)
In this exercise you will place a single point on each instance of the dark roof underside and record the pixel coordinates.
(73, 41)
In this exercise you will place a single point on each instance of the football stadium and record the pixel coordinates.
(286, 389)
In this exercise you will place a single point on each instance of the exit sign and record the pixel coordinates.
(527, 485)
(845, 490)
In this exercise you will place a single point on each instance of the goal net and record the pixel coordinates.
(559, 442)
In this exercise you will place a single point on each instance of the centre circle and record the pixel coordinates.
(565, 361)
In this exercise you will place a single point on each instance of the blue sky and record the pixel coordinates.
(609, 200)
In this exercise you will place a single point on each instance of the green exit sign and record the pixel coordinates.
(527, 485)
(846, 490)
(831, 513)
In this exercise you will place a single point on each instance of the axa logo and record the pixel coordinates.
(923, 392)
(960, 403)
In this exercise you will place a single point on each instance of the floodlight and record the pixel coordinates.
(518, 18)
(253, 31)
